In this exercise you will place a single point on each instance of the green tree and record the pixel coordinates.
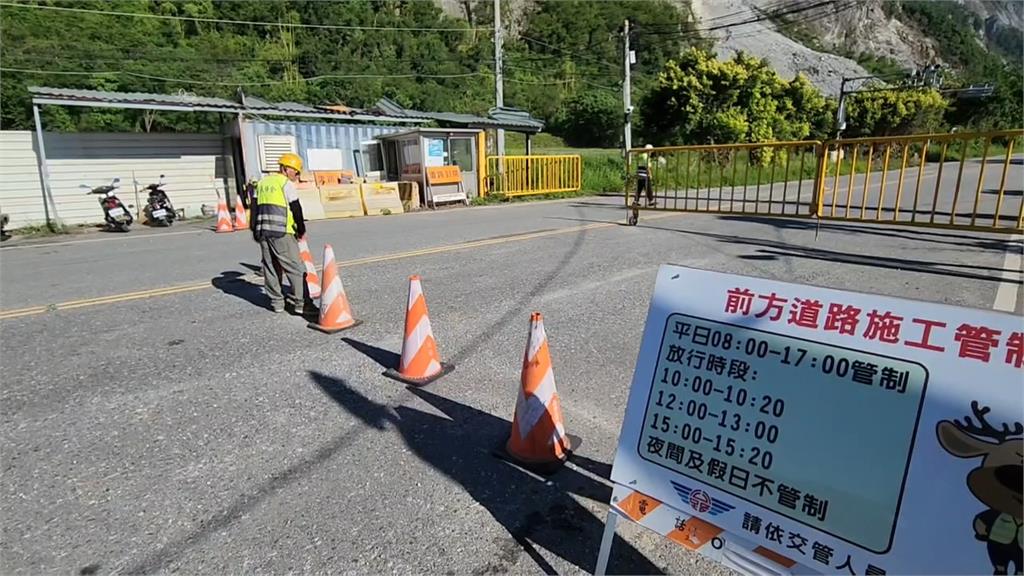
(701, 100)
(591, 119)
(895, 112)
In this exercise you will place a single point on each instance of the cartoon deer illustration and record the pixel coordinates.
(996, 482)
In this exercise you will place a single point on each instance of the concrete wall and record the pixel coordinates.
(188, 161)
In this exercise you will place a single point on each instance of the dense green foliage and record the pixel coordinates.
(893, 113)
(563, 63)
(701, 100)
(566, 55)
(590, 119)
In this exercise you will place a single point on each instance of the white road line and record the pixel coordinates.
(1013, 269)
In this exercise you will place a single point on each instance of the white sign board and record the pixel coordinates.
(325, 159)
(435, 152)
(828, 431)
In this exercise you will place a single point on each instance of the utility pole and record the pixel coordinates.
(499, 89)
(928, 77)
(627, 101)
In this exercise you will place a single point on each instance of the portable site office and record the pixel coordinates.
(416, 155)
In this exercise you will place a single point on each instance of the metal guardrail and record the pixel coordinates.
(772, 178)
(955, 180)
(524, 175)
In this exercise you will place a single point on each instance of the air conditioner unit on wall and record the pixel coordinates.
(273, 147)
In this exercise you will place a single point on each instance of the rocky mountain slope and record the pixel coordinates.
(824, 40)
(763, 39)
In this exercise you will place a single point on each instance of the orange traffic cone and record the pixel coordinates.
(312, 280)
(241, 222)
(223, 217)
(335, 313)
(538, 440)
(420, 364)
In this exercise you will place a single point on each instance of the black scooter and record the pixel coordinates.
(158, 210)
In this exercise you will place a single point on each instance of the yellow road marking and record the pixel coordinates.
(115, 298)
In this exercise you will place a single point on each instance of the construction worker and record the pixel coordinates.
(276, 223)
(643, 178)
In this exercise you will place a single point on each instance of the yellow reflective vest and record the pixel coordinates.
(273, 218)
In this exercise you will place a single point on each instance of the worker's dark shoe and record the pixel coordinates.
(277, 307)
(308, 311)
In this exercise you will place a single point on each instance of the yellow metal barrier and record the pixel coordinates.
(523, 175)
(771, 179)
(955, 180)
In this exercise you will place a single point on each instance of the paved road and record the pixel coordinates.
(194, 431)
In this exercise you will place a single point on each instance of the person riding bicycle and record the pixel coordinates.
(643, 178)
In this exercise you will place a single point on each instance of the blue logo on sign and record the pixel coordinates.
(700, 500)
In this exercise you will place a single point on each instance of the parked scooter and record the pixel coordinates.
(115, 213)
(159, 211)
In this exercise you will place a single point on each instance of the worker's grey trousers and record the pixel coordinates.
(283, 253)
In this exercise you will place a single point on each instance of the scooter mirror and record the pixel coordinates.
(115, 181)
(85, 186)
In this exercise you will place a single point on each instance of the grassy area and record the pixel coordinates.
(39, 231)
(679, 170)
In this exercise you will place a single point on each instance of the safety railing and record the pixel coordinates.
(956, 180)
(524, 175)
(776, 178)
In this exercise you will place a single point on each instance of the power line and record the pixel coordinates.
(562, 82)
(247, 22)
(164, 58)
(309, 79)
(571, 53)
(761, 18)
(241, 84)
(781, 28)
(722, 18)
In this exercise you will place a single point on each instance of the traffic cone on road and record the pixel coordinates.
(241, 222)
(335, 312)
(223, 217)
(420, 364)
(312, 280)
(538, 440)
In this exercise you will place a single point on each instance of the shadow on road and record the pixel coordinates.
(1013, 161)
(375, 415)
(386, 358)
(965, 238)
(536, 512)
(774, 249)
(995, 192)
(235, 284)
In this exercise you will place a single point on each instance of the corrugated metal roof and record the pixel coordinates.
(507, 118)
(383, 111)
(182, 97)
(188, 102)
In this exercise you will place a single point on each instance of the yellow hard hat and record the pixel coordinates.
(290, 160)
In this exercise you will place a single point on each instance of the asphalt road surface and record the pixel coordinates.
(157, 418)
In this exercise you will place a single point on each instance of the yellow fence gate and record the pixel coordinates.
(959, 180)
(525, 175)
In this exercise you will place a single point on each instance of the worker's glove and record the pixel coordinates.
(300, 229)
